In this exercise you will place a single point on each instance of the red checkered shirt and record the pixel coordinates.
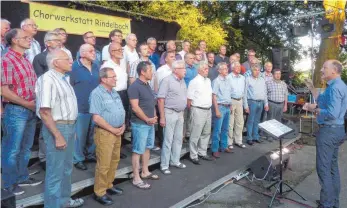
(18, 73)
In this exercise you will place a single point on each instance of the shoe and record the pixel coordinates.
(258, 141)
(34, 172)
(250, 142)
(241, 145)
(16, 190)
(179, 165)
(122, 156)
(227, 150)
(91, 159)
(75, 203)
(320, 205)
(43, 165)
(195, 161)
(114, 191)
(156, 148)
(30, 182)
(166, 171)
(206, 157)
(231, 147)
(216, 154)
(104, 200)
(81, 166)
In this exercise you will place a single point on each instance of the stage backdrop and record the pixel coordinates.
(84, 18)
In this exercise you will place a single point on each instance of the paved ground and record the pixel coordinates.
(301, 175)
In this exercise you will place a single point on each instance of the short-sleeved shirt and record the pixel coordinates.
(141, 91)
(53, 90)
(222, 89)
(133, 71)
(130, 56)
(163, 72)
(277, 91)
(34, 49)
(108, 105)
(84, 82)
(40, 63)
(255, 90)
(18, 73)
(121, 72)
(174, 91)
(238, 84)
(191, 73)
(155, 58)
(200, 92)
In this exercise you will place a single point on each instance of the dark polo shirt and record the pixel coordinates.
(142, 92)
(40, 63)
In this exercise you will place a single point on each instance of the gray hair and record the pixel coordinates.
(49, 36)
(84, 47)
(188, 54)
(103, 71)
(151, 39)
(51, 56)
(221, 64)
(337, 65)
(6, 21)
(178, 63)
(201, 64)
(23, 22)
(128, 36)
(256, 66)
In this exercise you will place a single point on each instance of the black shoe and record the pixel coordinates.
(81, 166)
(30, 182)
(123, 156)
(91, 159)
(258, 141)
(195, 161)
(104, 200)
(43, 165)
(15, 189)
(206, 157)
(114, 191)
(249, 142)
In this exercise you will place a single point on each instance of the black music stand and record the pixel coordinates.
(278, 130)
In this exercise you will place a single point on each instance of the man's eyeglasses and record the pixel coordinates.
(114, 77)
(62, 34)
(90, 37)
(56, 40)
(32, 25)
(25, 38)
(119, 36)
(118, 50)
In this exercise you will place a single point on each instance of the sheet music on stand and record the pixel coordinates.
(275, 128)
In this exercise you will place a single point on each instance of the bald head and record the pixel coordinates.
(29, 26)
(116, 51)
(87, 52)
(331, 69)
(59, 60)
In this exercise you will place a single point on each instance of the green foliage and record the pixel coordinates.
(343, 60)
(299, 78)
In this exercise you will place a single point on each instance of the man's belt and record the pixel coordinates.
(238, 99)
(65, 122)
(14, 104)
(225, 105)
(331, 125)
(202, 108)
(275, 102)
(256, 100)
(177, 111)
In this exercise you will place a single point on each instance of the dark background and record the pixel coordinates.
(143, 27)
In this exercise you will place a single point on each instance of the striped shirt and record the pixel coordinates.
(276, 91)
(108, 105)
(34, 49)
(53, 90)
(18, 73)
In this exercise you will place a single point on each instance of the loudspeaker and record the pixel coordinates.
(8, 200)
(280, 59)
(271, 166)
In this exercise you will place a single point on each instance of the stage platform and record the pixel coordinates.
(176, 190)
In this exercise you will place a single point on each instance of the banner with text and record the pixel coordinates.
(76, 22)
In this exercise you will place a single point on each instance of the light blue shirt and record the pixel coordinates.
(333, 103)
(191, 73)
(108, 105)
(222, 89)
(237, 83)
(255, 90)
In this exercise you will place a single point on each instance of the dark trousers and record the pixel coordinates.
(159, 137)
(328, 140)
(123, 94)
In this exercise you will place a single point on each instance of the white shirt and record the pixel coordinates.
(34, 49)
(200, 92)
(182, 54)
(163, 72)
(67, 51)
(53, 90)
(129, 56)
(106, 56)
(122, 76)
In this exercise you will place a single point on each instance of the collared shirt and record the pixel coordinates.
(222, 89)
(97, 56)
(106, 56)
(333, 103)
(218, 59)
(142, 92)
(67, 51)
(53, 90)
(34, 49)
(267, 76)
(237, 84)
(155, 58)
(133, 71)
(84, 82)
(130, 56)
(200, 92)
(174, 91)
(163, 55)
(18, 73)
(212, 72)
(4, 49)
(40, 63)
(121, 72)
(248, 73)
(276, 90)
(163, 72)
(247, 66)
(255, 90)
(191, 73)
(108, 105)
